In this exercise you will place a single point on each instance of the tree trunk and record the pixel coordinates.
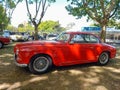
(36, 32)
(103, 33)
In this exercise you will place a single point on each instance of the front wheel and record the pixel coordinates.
(40, 64)
(103, 58)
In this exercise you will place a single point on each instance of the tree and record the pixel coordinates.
(9, 6)
(3, 18)
(40, 9)
(114, 23)
(98, 10)
(111, 23)
(26, 27)
(11, 28)
(20, 25)
(50, 26)
(118, 25)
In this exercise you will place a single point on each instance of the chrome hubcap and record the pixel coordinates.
(104, 58)
(40, 64)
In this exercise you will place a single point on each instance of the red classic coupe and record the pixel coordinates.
(4, 41)
(69, 48)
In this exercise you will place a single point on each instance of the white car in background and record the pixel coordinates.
(19, 36)
(16, 36)
(25, 35)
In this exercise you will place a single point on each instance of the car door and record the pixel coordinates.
(62, 51)
(91, 47)
(83, 49)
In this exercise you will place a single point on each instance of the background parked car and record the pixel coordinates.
(19, 36)
(4, 41)
(51, 36)
(16, 36)
(25, 35)
(30, 38)
(6, 33)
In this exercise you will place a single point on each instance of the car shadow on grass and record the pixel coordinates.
(76, 77)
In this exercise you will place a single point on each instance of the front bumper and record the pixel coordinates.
(19, 64)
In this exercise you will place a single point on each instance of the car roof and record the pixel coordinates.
(78, 32)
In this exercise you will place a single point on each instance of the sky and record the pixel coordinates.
(55, 12)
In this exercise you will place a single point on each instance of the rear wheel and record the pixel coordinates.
(40, 64)
(103, 58)
(1, 44)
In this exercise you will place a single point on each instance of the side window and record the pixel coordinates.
(91, 39)
(78, 38)
(85, 38)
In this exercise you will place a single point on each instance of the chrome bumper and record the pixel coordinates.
(21, 65)
(18, 64)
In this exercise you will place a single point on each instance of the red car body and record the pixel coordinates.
(64, 52)
(4, 41)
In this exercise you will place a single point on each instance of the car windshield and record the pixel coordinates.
(63, 37)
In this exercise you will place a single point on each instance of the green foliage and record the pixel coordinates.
(25, 28)
(11, 28)
(3, 18)
(118, 25)
(40, 9)
(94, 9)
(111, 23)
(50, 27)
(114, 23)
(100, 11)
(21, 25)
(9, 6)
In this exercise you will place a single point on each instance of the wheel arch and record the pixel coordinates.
(42, 54)
(106, 52)
(36, 70)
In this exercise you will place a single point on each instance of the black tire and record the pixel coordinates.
(1, 45)
(40, 64)
(103, 58)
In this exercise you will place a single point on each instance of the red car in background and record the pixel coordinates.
(4, 41)
(69, 48)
